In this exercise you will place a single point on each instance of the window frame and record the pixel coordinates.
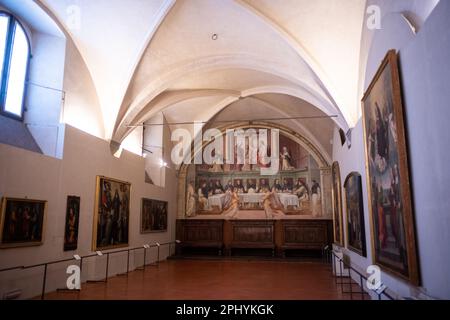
(10, 33)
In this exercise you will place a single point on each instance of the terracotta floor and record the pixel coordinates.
(217, 280)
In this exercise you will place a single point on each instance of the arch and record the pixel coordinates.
(295, 136)
(316, 69)
(213, 63)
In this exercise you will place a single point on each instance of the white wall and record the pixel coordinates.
(44, 97)
(27, 174)
(425, 76)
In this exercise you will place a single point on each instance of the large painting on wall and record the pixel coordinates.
(393, 232)
(111, 215)
(22, 222)
(242, 191)
(153, 216)
(72, 223)
(337, 204)
(356, 235)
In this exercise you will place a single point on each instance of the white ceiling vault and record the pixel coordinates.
(138, 50)
(278, 58)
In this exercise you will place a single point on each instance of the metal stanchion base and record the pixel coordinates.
(68, 290)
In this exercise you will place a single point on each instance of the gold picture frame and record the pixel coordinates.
(111, 214)
(388, 182)
(354, 213)
(154, 216)
(336, 194)
(22, 222)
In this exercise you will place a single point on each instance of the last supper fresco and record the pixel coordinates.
(241, 191)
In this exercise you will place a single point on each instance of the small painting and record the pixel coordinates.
(337, 204)
(153, 216)
(22, 222)
(356, 235)
(72, 223)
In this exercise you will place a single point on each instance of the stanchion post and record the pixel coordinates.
(157, 256)
(107, 267)
(362, 286)
(44, 282)
(128, 262)
(145, 258)
(350, 282)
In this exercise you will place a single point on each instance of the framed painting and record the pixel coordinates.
(72, 223)
(111, 214)
(356, 234)
(153, 216)
(392, 219)
(22, 223)
(337, 204)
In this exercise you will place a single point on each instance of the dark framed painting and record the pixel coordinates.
(72, 223)
(111, 214)
(153, 216)
(392, 219)
(22, 222)
(337, 204)
(356, 231)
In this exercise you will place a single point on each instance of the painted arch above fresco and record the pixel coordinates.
(241, 189)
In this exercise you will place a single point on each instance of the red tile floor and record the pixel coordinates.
(218, 280)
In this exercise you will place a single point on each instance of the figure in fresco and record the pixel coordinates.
(287, 186)
(233, 208)
(229, 186)
(218, 188)
(203, 194)
(286, 160)
(301, 191)
(239, 187)
(277, 186)
(315, 198)
(211, 188)
(191, 199)
(217, 166)
(263, 186)
(263, 155)
(251, 186)
(272, 204)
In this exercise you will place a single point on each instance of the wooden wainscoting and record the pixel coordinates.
(303, 235)
(200, 233)
(249, 234)
(276, 235)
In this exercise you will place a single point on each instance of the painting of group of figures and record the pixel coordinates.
(393, 233)
(235, 190)
(22, 222)
(153, 216)
(112, 212)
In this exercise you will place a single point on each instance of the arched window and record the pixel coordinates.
(14, 58)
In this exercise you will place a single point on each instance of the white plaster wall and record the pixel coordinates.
(81, 107)
(425, 72)
(27, 174)
(44, 96)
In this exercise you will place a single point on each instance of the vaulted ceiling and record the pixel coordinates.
(289, 58)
